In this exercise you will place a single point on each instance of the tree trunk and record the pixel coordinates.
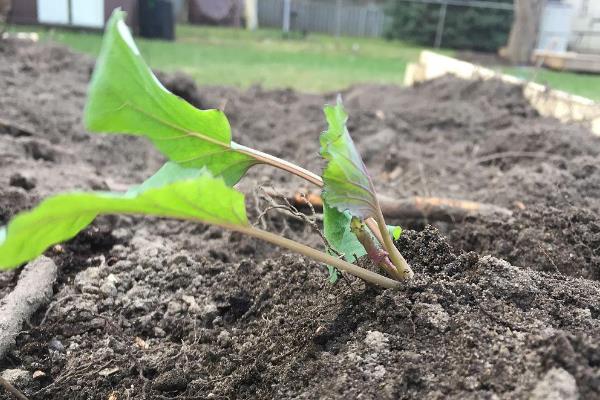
(524, 31)
(5, 6)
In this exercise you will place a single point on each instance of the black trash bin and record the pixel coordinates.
(157, 20)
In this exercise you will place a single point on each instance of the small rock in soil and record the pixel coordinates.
(109, 288)
(108, 371)
(372, 145)
(38, 375)
(19, 180)
(56, 345)
(376, 340)
(193, 307)
(87, 280)
(557, 384)
(171, 381)
(17, 377)
(174, 307)
(432, 316)
(224, 338)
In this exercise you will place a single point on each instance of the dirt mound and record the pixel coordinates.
(557, 240)
(150, 308)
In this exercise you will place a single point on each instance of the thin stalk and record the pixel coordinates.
(279, 163)
(399, 261)
(374, 227)
(319, 256)
(379, 256)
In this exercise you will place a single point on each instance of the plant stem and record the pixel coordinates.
(399, 261)
(319, 256)
(279, 163)
(374, 227)
(379, 256)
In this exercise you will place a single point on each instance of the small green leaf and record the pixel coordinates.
(59, 218)
(334, 274)
(126, 97)
(395, 231)
(336, 228)
(347, 185)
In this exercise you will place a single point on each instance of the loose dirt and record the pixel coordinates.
(158, 309)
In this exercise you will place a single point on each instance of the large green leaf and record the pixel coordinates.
(347, 185)
(126, 97)
(198, 197)
(169, 173)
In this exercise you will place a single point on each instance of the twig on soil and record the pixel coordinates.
(258, 210)
(12, 390)
(440, 209)
(53, 305)
(78, 372)
(423, 179)
(33, 289)
(412, 321)
(273, 205)
(556, 270)
(14, 129)
(432, 208)
(514, 154)
(267, 210)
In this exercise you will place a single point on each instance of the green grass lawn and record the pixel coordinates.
(586, 85)
(225, 56)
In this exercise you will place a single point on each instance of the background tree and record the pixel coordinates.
(465, 28)
(5, 6)
(524, 32)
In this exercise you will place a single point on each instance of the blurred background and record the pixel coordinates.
(325, 45)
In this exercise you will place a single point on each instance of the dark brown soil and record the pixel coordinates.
(161, 309)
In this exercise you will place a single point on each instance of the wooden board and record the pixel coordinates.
(577, 62)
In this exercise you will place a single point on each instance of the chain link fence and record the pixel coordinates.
(335, 18)
(340, 18)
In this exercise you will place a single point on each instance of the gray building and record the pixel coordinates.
(76, 13)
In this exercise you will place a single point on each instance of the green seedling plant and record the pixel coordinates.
(204, 164)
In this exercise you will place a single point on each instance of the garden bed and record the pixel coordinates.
(151, 308)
